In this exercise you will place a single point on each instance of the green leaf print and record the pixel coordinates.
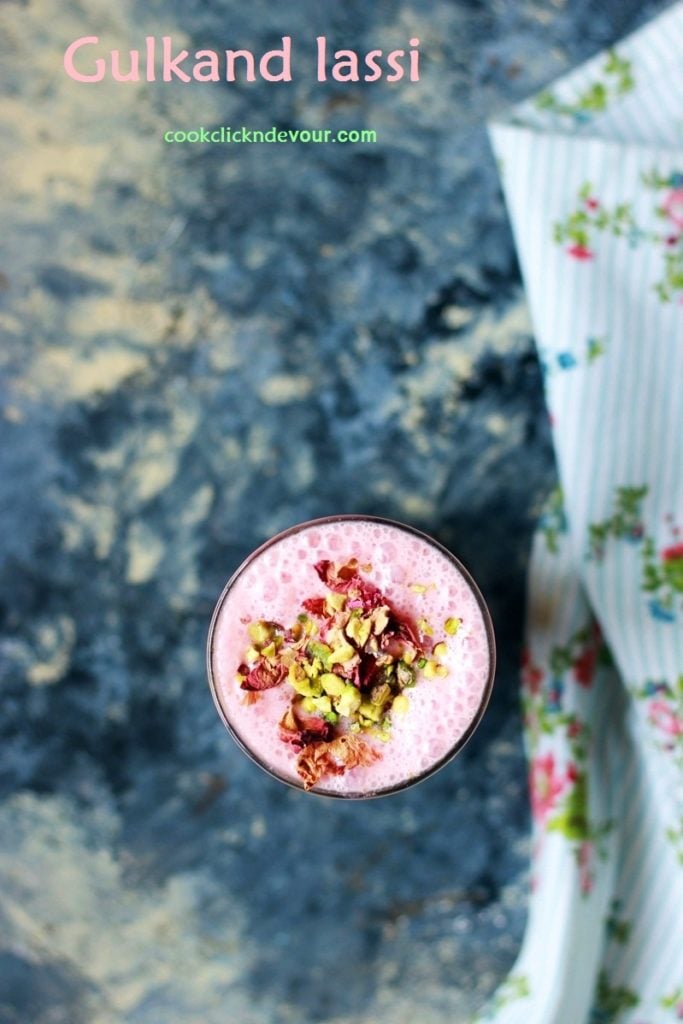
(611, 1001)
(674, 1001)
(625, 522)
(572, 821)
(515, 987)
(662, 577)
(616, 80)
(553, 521)
(618, 929)
(663, 229)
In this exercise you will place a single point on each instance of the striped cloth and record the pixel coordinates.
(592, 171)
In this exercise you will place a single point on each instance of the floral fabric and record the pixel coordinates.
(592, 171)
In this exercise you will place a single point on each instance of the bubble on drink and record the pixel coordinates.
(351, 656)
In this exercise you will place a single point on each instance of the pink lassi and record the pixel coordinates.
(352, 656)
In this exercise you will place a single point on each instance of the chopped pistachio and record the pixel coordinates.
(251, 655)
(296, 673)
(418, 588)
(271, 650)
(405, 675)
(260, 632)
(358, 630)
(323, 704)
(430, 670)
(380, 619)
(308, 705)
(320, 651)
(424, 627)
(335, 602)
(441, 671)
(309, 626)
(370, 711)
(389, 672)
(452, 626)
(401, 705)
(409, 655)
(441, 650)
(335, 637)
(331, 716)
(341, 655)
(332, 684)
(313, 668)
(379, 695)
(348, 702)
(307, 687)
(421, 662)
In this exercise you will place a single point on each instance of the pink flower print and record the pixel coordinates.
(665, 719)
(672, 565)
(546, 785)
(673, 207)
(574, 729)
(584, 666)
(592, 203)
(532, 675)
(532, 723)
(580, 252)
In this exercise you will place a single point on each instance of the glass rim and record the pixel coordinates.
(457, 746)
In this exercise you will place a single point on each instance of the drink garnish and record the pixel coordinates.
(348, 658)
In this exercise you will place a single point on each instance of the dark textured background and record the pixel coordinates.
(202, 346)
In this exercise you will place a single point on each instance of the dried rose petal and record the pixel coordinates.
(300, 729)
(331, 576)
(405, 630)
(344, 579)
(333, 758)
(250, 697)
(367, 671)
(289, 722)
(392, 645)
(263, 676)
(316, 606)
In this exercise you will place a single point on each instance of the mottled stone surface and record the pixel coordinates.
(202, 346)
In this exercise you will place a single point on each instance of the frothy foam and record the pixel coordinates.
(274, 585)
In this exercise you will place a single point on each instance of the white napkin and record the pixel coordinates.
(592, 171)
